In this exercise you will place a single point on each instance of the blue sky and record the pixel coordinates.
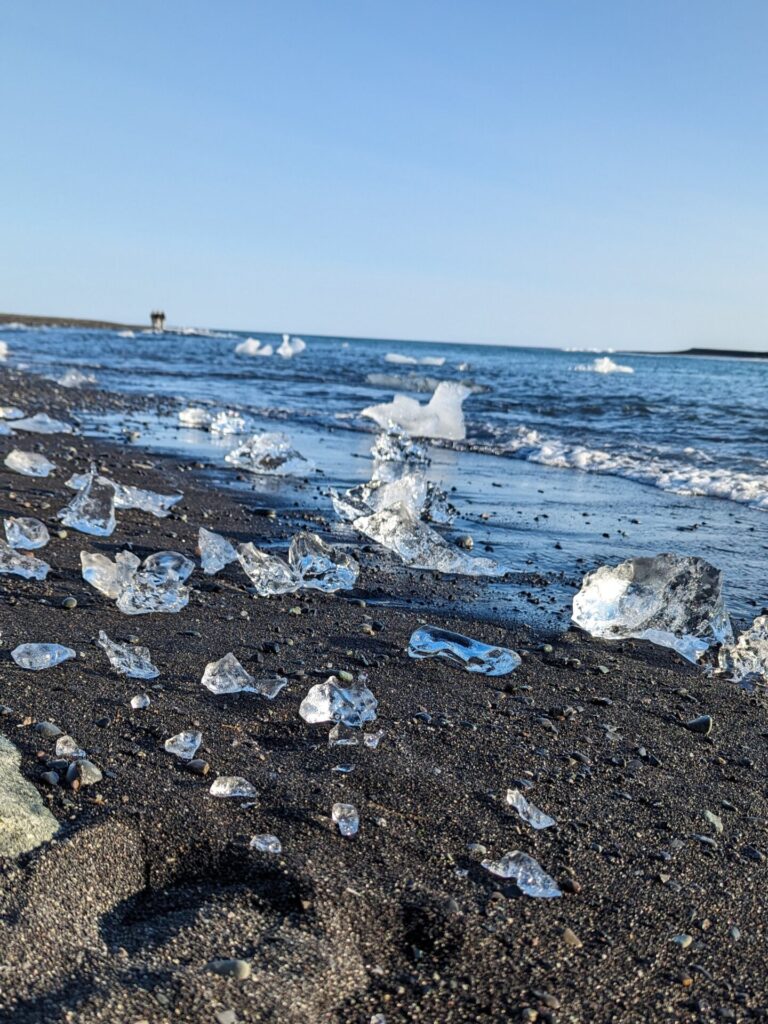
(550, 172)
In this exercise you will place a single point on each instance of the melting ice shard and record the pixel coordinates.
(422, 498)
(39, 656)
(26, 533)
(394, 445)
(746, 661)
(28, 463)
(269, 574)
(42, 423)
(266, 843)
(11, 412)
(169, 564)
(346, 818)
(74, 378)
(194, 416)
(528, 812)
(26, 566)
(148, 592)
(527, 874)
(469, 654)
(672, 600)
(227, 422)
(215, 551)
(106, 576)
(320, 566)
(227, 675)
(127, 659)
(290, 347)
(140, 702)
(92, 510)
(232, 785)
(352, 705)
(269, 453)
(126, 496)
(442, 416)
(184, 744)
(252, 347)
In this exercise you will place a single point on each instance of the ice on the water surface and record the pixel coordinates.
(527, 874)
(184, 744)
(42, 423)
(29, 463)
(290, 347)
(227, 422)
(126, 496)
(215, 551)
(442, 416)
(26, 566)
(74, 378)
(352, 704)
(26, 532)
(269, 574)
(92, 510)
(346, 818)
(672, 600)
(269, 453)
(403, 360)
(604, 365)
(252, 347)
(128, 659)
(195, 416)
(232, 786)
(108, 577)
(746, 660)
(395, 445)
(319, 566)
(528, 812)
(39, 656)
(463, 651)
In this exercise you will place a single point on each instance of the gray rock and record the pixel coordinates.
(85, 771)
(25, 821)
(47, 729)
(239, 969)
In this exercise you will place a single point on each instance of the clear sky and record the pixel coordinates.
(554, 172)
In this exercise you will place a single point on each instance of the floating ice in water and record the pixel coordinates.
(442, 416)
(92, 510)
(400, 360)
(469, 654)
(127, 659)
(228, 422)
(269, 453)
(148, 592)
(108, 577)
(67, 747)
(252, 347)
(215, 551)
(672, 600)
(528, 874)
(746, 661)
(227, 675)
(346, 817)
(74, 378)
(195, 416)
(399, 530)
(26, 566)
(140, 702)
(320, 566)
(232, 785)
(28, 463)
(528, 812)
(42, 423)
(352, 705)
(266, 843)
(604, 365)
(184, 744)
(126, 496)
(25, 532)
(4, 350)
(290, 347)
(166, 564)
(39, 656)
(394, 445)
(269, 574)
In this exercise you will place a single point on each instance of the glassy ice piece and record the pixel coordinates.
(528, 812)
(28, 463)
(469, 654)
(232, 785)
(26, 533)
(148, 592)
(140, 702)
(527, 874)
(26, 566)
(746, 661)
(92, 510)
(351, 504)
(69, 748)
(74, 378)
(227, 675)
(346, 817)
(320, 566)
(442, 416)
(227, 422)
(394, 445)
(168, 564)
(352, 705)
(266, 843)
(127, 659)
(290, 347)
(215, 551)
(437, 508)
(108, 577)
(270, 453)
(184, 744)
(194, 416)
(269, 574)
(373, 739)
(42, 423)
(39, 656)
(419, 546)
(158, 505)
(11, 412)
(343, 736)
(672, 600)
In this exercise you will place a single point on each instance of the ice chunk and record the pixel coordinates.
(269, 453)
(25, 532)
(68, 747)
(39, 656)
(232, 785)
(422, 498)
(290, 347)
(184, 744)
(215, 551)
(672, 600)
(42, 423)
(403, 360)
(108, 577)
(352, 705)
(373, 739)
(346, 818)
(442, 416)
(528, 812)
(26, 566)
(604, 365)
(74, 378)
(527, 874)
(195, 416)
(227, 675)
(28, 463)
(394, 445)
(320, 566)
(252, 347)
(140, 702)
(228, 422)
(746, 661)
(343, 736)
(469, 654)
(92, 510)
(419, 546)
(269, 574)
(266, 843)
(126, 496)
(127, 659)
(166, 564)
(148, 592)
(11, 412)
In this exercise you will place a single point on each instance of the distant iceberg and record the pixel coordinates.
(253, 347)
(401, 360)
(290, 347)
(603, 365)
(441, 417)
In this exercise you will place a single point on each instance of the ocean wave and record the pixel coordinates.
(416, 382)
(604, 365)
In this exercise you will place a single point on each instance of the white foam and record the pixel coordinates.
(4, 351)
(441, 417)
(603, 365)
(401, 360)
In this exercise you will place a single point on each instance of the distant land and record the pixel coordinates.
(731, 353)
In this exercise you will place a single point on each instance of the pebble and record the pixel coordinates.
(239, 969)
(226, 1017)
(85, 772)
(47, 729)
(702, 725)
(69, 603)
(683, 940)
(50, 778)
(198, 766)
(570, 938)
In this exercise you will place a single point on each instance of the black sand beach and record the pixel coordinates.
(150, 879)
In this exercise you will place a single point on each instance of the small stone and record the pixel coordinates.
(198, 766)
(570, 938)
(85, 772)
(226, 1017)
(701, 725)
(238, 969)
(69, 603)
(715, 820)
(50, 778)
(140, 702)
(47, 729)
(683, 940)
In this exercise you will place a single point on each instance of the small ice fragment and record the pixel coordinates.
(603, 365)
(227, 675)
(228, 422)
(252, 347)
(672, 600)
(26, 566)
(343, 769)
(127, 659)
(266, 843)
(194, 416)
(269, 453)
(353, 705)
(528, 812)
(373, 739)
(69, 748)
(394, 445)
(126, 496)
(167, 564)
(92, 510)
(442, 416)
(215, 551)
(347, 818)
(39, 656)
(184, 744)
(746, 661)
(26, 533)
(140, 702)
(108, 577)
(269, 574)
(527, 874)
(290, 347)
(148, 592)
(42, 423)
(28, 463)
(320, 566)
(74, 378)
(11, 412)
(343, 736)
(469, 654)
(232, 785)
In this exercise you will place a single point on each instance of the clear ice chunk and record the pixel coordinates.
(290, 347)
(527, 874)
(169, 564)
(266, 843)
(394, 445)
(11, 412)
(227, 675)
(373, 739)
(184, 744)
(127, 659)
(28, 463)
(442, 416)
(108, 577)
(232, 785)
(343, 736)
(148, 592)
(672, 600)
(746, 661)
(352, 705)
(346, 818)
(42, 423)
(195, 416)
(39, 656)
(227, 422)
(528, 812)
(67, 747)
(269, 574)
(74, 378)
(92, 510)
(320, 566)
(469, 654)
(269, 453)
(17, 564)
(140, 702)
(215, 551)
(26, 533)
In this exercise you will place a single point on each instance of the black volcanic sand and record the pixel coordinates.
(151, 878)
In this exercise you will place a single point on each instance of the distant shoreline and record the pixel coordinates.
(68, 321)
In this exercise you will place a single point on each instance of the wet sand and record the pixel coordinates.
(150, 878)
